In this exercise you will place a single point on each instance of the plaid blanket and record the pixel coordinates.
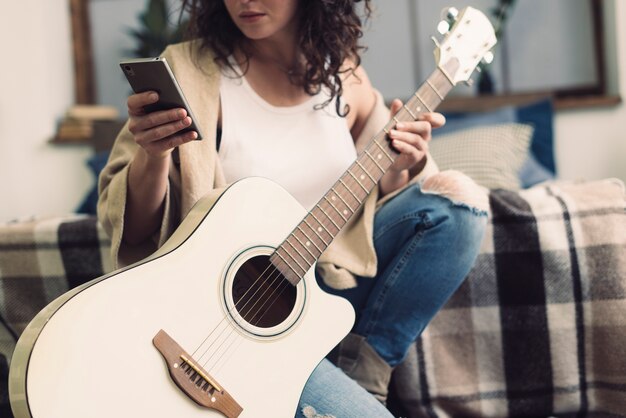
(537, 329)
(41, 259)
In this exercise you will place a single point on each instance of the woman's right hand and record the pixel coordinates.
(157, 133)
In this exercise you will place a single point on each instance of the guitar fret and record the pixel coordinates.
(310, 240)
(374, 161)
(366, 172)
(293, 234)
(328, 217)
(335, 207)
(322, 225)
(396, 120)
(350, 190)
(286, 262)
(384, 151)
(410, 113)
(357, 180)
(445, 73)
(299, 253)
(422, 102)
(434, 89)
(342, 199)
(315, 232)
(294, 259)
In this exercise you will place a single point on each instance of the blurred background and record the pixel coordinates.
(58, 53)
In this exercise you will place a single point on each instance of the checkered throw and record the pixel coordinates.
(538, 329)
(539, 326)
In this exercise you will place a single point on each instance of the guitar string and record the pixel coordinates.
(234, 308)
(229, 350)
(271, 298)
(232, 313)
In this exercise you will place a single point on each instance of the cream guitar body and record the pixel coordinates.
(95, 357)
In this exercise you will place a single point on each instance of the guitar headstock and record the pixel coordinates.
(468, 42)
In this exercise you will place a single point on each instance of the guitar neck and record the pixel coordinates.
(306, 243)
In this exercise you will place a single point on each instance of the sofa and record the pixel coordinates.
(537, 329)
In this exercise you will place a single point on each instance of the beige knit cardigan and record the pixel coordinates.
(195, 173)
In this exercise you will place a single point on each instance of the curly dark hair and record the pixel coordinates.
(329, 31)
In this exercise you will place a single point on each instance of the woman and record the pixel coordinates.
(281, 81)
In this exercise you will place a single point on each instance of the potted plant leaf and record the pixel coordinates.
(156, 30)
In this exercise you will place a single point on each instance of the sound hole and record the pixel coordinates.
(262, 295)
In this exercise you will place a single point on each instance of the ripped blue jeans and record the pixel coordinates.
(426, 242)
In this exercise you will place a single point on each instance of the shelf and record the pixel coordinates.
(567, 103)
(104, 134)
(487, 103)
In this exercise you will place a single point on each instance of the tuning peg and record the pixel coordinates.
(487, 58)
(435, 41)
(469, 83)
(448, 18)
(449, 14)
(443, 27)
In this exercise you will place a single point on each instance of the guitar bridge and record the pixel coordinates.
(193, 380)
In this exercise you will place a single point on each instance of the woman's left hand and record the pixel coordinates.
(411, 139)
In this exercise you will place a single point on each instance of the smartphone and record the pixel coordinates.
(155, 74)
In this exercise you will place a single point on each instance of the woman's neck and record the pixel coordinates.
(269, 61)
(282, 54)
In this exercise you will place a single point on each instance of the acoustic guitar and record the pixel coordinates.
(226, 319)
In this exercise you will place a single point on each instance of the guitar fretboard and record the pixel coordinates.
(306, 243)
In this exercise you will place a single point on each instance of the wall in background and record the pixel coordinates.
(591, 144)
(46, 180)
(37, 178)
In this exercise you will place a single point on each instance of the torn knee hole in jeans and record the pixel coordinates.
(310, 412)
(458, 188)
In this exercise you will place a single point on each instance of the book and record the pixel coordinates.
(74, 130)
(92, 112)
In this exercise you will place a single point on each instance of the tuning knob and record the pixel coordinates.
(487, 58)
(448, 18)
(443, 27)
(450, 14)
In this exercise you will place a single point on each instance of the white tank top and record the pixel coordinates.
(302, 149)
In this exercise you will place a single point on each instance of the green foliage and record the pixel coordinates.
(156, 30)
